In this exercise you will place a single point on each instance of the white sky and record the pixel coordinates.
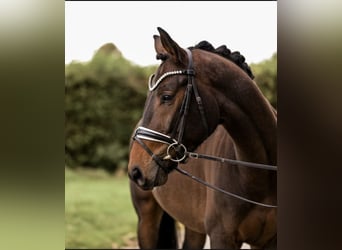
(248, 27)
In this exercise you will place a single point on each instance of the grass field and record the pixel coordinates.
(98, 210)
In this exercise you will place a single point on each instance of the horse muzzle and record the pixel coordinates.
(157, 177)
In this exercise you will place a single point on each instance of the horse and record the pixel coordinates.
(156, 228)
(195, 92)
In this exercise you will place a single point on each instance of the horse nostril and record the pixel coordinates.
(136, 174)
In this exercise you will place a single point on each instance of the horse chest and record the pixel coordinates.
(181, 203)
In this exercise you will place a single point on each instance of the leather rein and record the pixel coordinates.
(176, 151)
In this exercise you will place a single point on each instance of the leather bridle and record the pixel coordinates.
(176, 151)
(175, 145)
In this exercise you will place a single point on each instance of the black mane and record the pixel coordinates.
(223, 51)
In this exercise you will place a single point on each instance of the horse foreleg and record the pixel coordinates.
(156, 229)
(223, 241)
(193, 240)
(272, 244)
(149, 216)
(148, 230)
(167, 233)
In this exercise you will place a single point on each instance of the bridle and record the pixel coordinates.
(175, 145)
(176, 151)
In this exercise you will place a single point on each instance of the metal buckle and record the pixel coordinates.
(174, 147)
(193, 155)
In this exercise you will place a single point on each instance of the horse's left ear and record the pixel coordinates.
(178, 54)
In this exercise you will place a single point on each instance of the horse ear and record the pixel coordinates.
(165, 42)
(158, 46)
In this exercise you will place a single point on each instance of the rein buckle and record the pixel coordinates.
(177, 150)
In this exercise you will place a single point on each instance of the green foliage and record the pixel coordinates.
(266, 77)
(104, 99)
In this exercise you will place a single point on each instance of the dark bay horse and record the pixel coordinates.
(194, 92)
(156, 228)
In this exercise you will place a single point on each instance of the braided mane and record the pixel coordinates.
(223, 51)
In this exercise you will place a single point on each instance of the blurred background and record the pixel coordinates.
(104, 99)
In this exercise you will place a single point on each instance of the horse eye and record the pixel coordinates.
(166, 98)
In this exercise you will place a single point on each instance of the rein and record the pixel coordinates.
(183, 172)
(176, 151)
(234, 162)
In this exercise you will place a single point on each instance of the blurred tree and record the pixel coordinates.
(104, 99)
(266, 77)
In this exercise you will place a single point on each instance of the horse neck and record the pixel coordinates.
(245, 113)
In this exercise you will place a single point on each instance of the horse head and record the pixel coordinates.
(171, 110)
(191, 92)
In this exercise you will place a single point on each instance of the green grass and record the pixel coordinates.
(98, 210)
